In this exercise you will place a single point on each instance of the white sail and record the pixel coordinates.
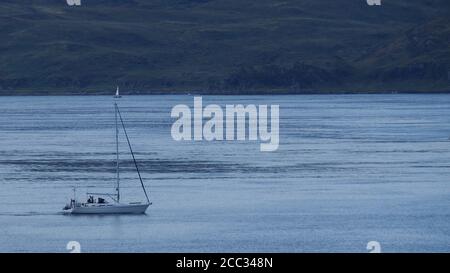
(117, 92)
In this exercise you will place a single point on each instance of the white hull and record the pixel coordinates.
(110, 209)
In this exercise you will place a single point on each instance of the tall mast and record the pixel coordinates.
(132, 154)
(117, 154)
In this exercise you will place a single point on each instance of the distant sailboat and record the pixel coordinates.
(96, 203)
(117, 95)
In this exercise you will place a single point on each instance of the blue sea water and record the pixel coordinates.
(349, 169)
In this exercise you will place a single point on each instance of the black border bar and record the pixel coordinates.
(237, 262)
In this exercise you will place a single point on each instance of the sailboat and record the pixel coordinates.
(117, 95)
(109, 203)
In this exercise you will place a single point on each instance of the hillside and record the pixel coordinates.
(224, 46)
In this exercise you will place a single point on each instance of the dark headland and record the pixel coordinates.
(224, 47)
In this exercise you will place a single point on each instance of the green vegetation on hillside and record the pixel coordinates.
(224, 46)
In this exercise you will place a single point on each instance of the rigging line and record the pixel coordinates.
(132, 154)
(117, 156)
